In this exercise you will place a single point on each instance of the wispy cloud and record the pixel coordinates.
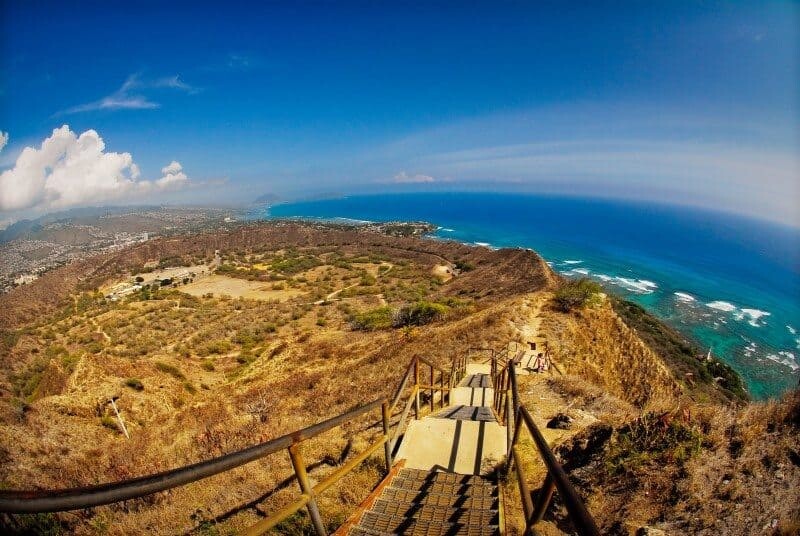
(240, 61)
(682, 157)
(174, 82)
(234, 62)
(405, 178)
(129, 97)
(3, 139)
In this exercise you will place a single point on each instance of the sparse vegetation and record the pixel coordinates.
(654, 440)
(576, 294)
(135, 384)
(170, 369)
(374, 319)
(251, 369)
(420, 313)
(684, 356)
(464, 266)
(109, 422)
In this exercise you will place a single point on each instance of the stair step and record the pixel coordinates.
(442, 476)
(443, 488)
(479, 502)
(467, 413)
(426, 512)
(472, 396)
(477, 381)
(385, 524)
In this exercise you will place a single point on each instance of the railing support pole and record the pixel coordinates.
(416, 391)
(433, 391)
(441, 393)
(305, 486)
(509, 430)
(387, 448)
(543, 499)
(517, 426)
(524, 492)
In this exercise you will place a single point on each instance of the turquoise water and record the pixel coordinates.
(730, 284)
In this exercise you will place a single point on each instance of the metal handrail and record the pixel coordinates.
(34, 501)
(507, 404)
(515, 412)
(18, 501)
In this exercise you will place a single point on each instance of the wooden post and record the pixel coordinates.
(542, 500)
(441, 393)
(119, 419)
(305, 486)
(450, 379)
(416, 391)
(433, 391)
(517, 426)
(387, 448)
(509, 432)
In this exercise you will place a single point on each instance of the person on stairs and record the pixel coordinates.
(540, 363)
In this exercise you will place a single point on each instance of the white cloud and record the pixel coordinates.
(405, 178)
(173, 175)
(173, 167)
(71, 170)
(124, 99)
(3, 139)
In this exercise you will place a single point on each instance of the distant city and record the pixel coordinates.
(38, 246)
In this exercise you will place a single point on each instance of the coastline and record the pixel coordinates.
(744, 323)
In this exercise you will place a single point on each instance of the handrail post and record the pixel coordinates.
(441, 393)
(514, 391)
(450, 380)
(433, 391)
(509, 431)
(509, 421)
(416, 391)
(387, 448)
(581, 518)
(517, 427)
(296, 455)
(543, 499)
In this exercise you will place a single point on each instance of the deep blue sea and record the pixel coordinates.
(732, 285)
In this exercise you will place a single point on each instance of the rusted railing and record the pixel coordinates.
(508, 406)
(437, 381)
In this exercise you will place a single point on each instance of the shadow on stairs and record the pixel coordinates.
(430, 503)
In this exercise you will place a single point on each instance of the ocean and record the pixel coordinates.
(732, 285)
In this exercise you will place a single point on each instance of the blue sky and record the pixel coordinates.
(689, 103)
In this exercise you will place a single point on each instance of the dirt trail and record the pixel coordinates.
(544, 403)
(535, 390)
(99, 330)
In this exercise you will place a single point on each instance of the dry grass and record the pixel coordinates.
(234, 372)
(220, 285)
(596, 345)
(202, 366)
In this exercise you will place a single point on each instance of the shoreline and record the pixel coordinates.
(693, 319)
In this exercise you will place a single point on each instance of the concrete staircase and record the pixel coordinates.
(443, 481)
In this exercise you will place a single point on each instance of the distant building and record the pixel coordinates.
(122, 289)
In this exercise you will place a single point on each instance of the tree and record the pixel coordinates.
(576, 294)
